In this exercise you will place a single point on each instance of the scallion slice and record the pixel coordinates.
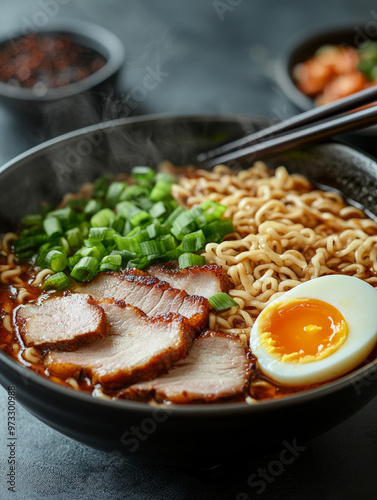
(114, 193)
(222, 301)
(183, 224)
(143, 174)
(92, 207)
(111, 263)
(55, 260)
(52, 227)
(74, 238)
(64, 215)
(190, 259)
(25, 243)
(58, 281)
(153, 247)
(127, 243)
(102, 218)
(161, 191)
(158, 210)
(194, 241)
(97, 234)
(85, 269)
(215, 231)
(32, 220)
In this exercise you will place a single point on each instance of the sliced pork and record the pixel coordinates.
(152, 296)
(197, 280)
(63, 322)
(217, 368)
(137, 348)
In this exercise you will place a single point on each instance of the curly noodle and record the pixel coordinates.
(287, 233)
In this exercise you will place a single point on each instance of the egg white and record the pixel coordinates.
(357, 302)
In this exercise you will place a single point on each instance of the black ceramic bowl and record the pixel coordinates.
(304, 46)
(195, 435)
(77, 101)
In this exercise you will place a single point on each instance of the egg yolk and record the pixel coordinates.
(301, 330)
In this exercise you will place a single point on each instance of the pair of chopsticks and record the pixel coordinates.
(299, 131)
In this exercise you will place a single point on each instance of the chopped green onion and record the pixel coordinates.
(32, 220)
(74, 238)
(84, 228)
(172, 254)
(161, 191)
(118, 223)
(215, 231)
(58, 281)
(158, 210)
(193, 242)
(183, 224)
(154, 229)
(136, 192)
(174, 215)
(55, 260)
(153, 247)
(97, 234)
(111, 263)
(64, 215)
(101, 185)
(26, 243)
(129, 226)
(127, 243)
(52, 227)
(140, 218)
(43, 250)
(143, 174)
(65, 248)
(102, 218)
(212, 210)
(140, 263)
(190, 259)
(95, 247)
(163, 176)
(85, 269)
(73, 260)
(126, 256)
(92, 207)
(25, 233)
(222, 301)
(127, 209)
(169, 241)
(114, 193)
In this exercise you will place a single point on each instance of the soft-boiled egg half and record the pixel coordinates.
(318, 331)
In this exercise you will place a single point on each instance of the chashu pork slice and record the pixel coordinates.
(137, 348)
(63, 322)
(197, 280)
(217, 368)
(152, 296)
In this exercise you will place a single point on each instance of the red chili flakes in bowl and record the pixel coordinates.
(45, 61)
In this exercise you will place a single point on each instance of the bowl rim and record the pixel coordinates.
(196, 410)
(87, 32)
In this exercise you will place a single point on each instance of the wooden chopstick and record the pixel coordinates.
(304, 136)
(316, 115)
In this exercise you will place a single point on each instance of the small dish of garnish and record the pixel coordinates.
(327, 66)
(69, 63)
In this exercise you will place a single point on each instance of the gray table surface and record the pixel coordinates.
(216, 57)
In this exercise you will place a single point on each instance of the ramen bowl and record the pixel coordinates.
(185, 435)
